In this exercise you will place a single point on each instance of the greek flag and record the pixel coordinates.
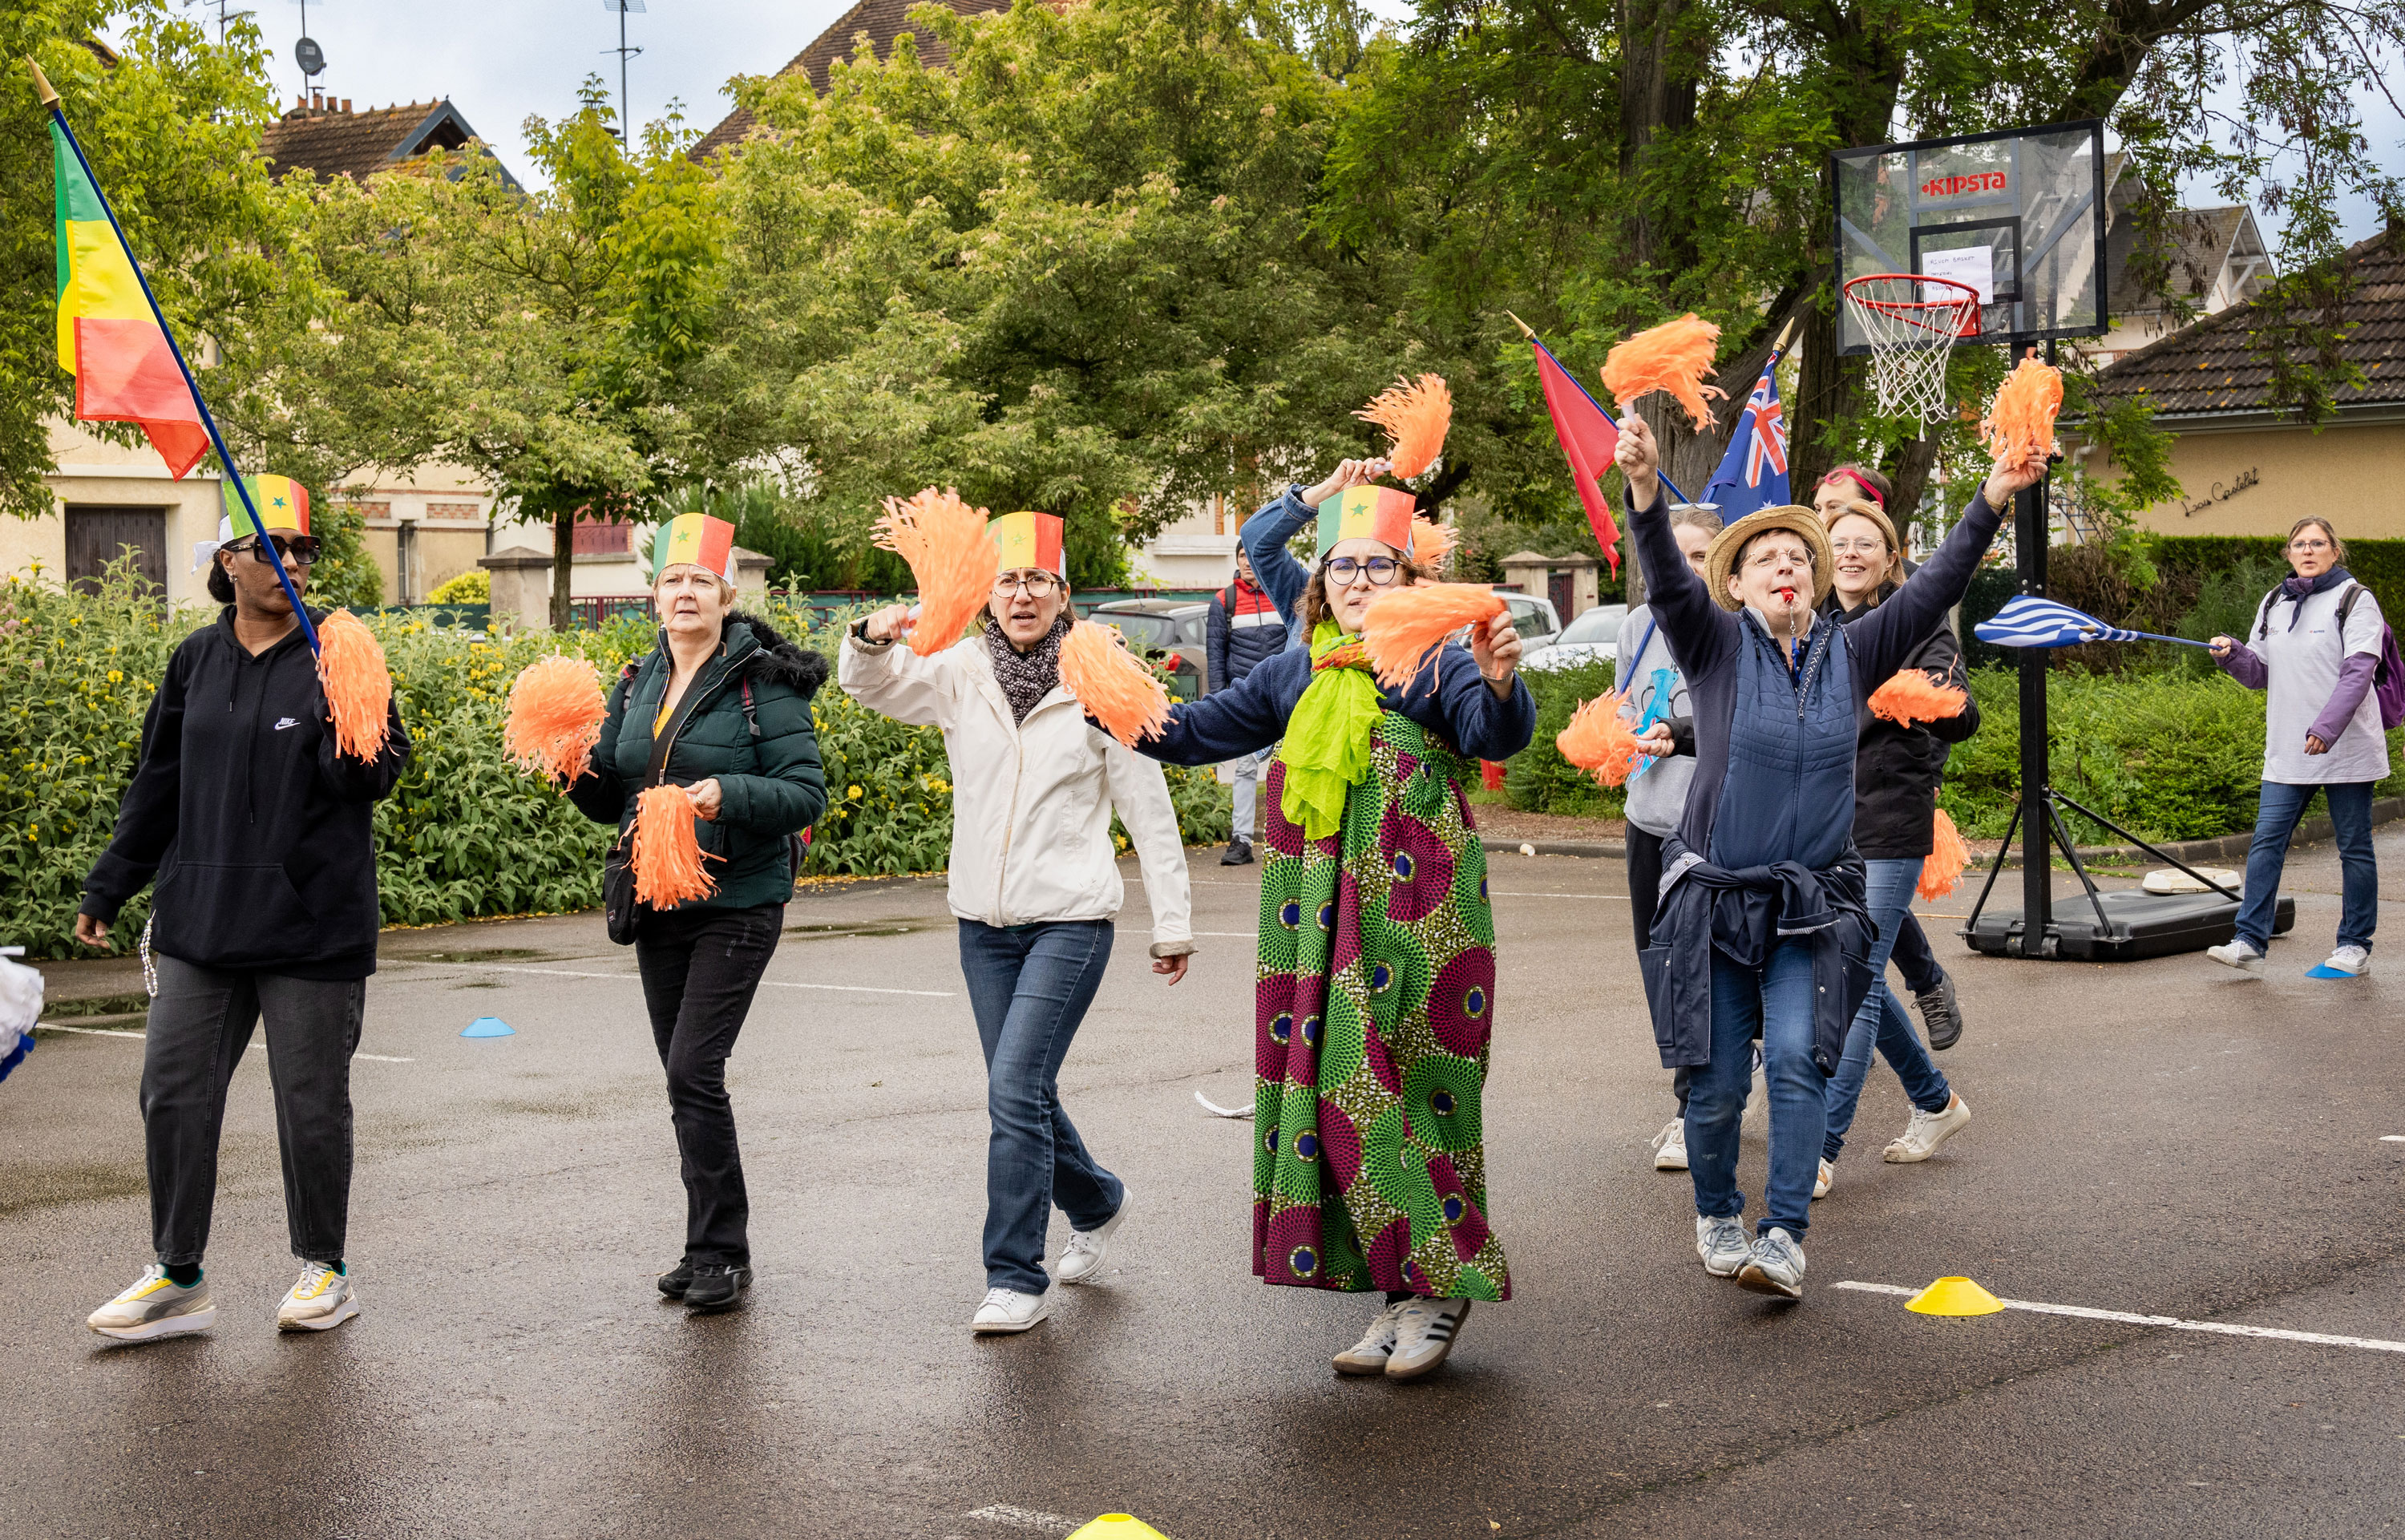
(2028, 622)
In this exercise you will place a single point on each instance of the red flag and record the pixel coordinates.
(1588, 438)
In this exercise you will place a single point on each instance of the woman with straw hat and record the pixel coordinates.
(1760, 925)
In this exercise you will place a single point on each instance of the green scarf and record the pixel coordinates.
(1326, 748)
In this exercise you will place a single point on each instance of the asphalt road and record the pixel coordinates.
(2166, 1138)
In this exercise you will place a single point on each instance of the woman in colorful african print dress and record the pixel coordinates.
(1377, 954)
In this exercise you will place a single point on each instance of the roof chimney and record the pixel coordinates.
(316, 100)
(346, 105)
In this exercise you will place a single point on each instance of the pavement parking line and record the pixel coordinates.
(637, 977)
(2219, 1328)
(111, 1031)
(1025, 1519)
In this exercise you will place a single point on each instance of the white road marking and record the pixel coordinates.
(2219, 1328)
(1025, 1519)
(109, 1032)
(637, 977)
(2392, 1139)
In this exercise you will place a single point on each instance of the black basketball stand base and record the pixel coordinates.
(2116, 928)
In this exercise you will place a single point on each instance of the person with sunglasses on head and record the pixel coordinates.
(260, 838)
(1376, 985)
(1897, 771)
(1034, 885)
(719, 706)
(1761, 927)
(1933, 988)
(2314, 651)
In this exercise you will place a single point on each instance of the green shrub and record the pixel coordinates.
(475, 587)
(1538, 779)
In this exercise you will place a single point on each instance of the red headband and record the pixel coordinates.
(1868, 490)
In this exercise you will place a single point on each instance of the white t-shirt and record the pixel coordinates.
(2302, 663)
(1657, 799)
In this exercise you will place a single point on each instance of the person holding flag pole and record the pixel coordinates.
(255, 816)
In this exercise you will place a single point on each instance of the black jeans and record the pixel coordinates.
(1644, 893)
(200, 1025)
(1912, 956)
(700, 969)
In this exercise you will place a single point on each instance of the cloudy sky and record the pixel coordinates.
(501, 60)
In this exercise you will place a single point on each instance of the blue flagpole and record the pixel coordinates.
(225, 456)
(1676, 495)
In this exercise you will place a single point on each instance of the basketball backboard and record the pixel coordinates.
(2017, 214)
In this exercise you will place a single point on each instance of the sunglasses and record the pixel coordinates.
(299, 550)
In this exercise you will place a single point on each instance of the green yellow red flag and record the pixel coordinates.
(108, 337)
(282, 502)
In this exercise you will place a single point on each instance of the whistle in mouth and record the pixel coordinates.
(1787, 596)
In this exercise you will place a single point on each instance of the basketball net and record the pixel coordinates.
(1912, 322)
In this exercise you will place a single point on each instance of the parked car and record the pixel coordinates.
(1536, 620)
(1592, 635)
(1170, 631)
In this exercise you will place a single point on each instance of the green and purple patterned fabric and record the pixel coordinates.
(1373, 1009)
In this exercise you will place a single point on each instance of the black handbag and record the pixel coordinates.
(618, 906)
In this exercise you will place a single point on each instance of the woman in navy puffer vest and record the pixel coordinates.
(1760, 925)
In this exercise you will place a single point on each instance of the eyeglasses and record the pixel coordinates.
(1380, 569)
(299, 551)
(2309, 544)
(1776, 554)
(1034, 585)
(1868, 546)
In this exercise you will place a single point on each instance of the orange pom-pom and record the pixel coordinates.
(1911, 696)
(1674, 357)
(1599, 739)
(1416, 415)
(1403, 627)
(358, 685)
(556, 714)
(1431, 543)
(2019, 425)
(668, 853)
(1112, 683)
(952, 558)
(1947, 856)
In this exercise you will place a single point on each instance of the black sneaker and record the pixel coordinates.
(1239, 854)
(1940, 1017)
(677, 1279)
(715, 1287)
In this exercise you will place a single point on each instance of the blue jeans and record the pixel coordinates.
(1029, 986)
(1777, 999)
(2275, 820)
(1887, 892)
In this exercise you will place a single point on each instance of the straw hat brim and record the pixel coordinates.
(1794, 517)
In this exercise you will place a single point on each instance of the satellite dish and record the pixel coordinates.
(310, 58)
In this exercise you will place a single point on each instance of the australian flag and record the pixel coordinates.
(1753, 474)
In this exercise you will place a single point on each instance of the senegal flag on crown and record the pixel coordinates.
(109, 339)
(283, 503)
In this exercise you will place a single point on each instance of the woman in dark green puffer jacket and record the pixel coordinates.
(736, 694)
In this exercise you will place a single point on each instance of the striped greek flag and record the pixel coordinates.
(2028, 622)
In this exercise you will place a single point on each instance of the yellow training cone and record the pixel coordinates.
(1125, 1526)
(1954, 1296)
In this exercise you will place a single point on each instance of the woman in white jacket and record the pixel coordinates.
(1035, 885)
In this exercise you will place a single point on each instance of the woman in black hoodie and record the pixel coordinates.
(263, 839)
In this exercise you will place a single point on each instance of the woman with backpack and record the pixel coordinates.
(2315, 650)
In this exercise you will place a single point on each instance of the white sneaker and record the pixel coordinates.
(1776, 1267)
(154, 1307)
(2237, 954)
(2352, 961)
(1721, 1244)
(1082, 1258)
(1670, 1146)
(1008, 1310)
(320, 1300)
(1368, 1356)
(1424, 1334)
(1820, 1182)
(1927, 1131)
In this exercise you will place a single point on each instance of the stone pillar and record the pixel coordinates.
(521, 588)
(751, 576)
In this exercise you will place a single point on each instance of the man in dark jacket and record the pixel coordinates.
(1244, 630)
(262, 837)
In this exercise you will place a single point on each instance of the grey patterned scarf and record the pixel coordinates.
(1026, 677)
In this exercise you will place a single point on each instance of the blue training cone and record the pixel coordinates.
(488, 1027)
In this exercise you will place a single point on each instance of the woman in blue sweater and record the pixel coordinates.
(1761, 925)
(1376, 988)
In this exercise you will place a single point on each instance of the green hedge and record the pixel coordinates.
(465, 834)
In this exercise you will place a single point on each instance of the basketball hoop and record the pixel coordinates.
(1911, 322)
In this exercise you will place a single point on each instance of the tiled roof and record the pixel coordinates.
(882, 20)
(2210, 368)
(325, 138)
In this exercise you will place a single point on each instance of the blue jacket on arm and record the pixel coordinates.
(1449, 698)
(1769, 817)
(1275, 568)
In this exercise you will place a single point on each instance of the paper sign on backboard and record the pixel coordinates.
(1974, 265)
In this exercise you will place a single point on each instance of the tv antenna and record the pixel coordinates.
(228, 16)
(625, 118)
(306, 53)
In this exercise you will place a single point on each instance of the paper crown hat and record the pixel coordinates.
(283, 505)
(693, 540)
(1382, 513)
(1029, 539)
